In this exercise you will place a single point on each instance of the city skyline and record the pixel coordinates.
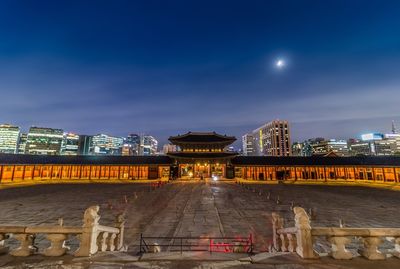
(164, 140)
(201, 66)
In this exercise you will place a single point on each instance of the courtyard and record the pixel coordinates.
(198, 208)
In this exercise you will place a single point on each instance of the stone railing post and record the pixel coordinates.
(339, 250)
(120, 224)
(304, 238)
(88, 238)
(3, 249)
(397, 247)
(371, 251)
(26, 245)
(277, 223)
(57, 245)
(102, 241)
(292, 242)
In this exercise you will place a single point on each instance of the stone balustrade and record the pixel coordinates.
(302, 236)
(92, 237)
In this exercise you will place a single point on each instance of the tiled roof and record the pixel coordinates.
(201, 137)
(202, 155)
(317, 160)
(96, 160)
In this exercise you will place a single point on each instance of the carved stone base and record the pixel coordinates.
(3, 250)
(25, 248)
(57, 247)
(371, 251)
(339, 251)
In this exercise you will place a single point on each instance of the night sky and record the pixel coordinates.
(167, 67)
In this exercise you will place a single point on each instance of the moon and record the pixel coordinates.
(280, 63)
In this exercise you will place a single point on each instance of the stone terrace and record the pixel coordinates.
(198, 208)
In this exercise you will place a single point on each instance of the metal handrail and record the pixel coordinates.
(211, 246)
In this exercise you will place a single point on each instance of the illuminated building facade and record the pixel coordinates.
(248, 147)
(44, 141)
(103, 144)
(85, 144)
(9, 137)
(273, 139)
(131, 145)
(337, 147)
(201, 155)
(376, 144)
(148, 145)
(22, 143)
(169, 148)
(70, 144)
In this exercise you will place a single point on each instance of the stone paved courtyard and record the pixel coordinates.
(198, 208)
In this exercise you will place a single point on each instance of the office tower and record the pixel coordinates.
(44, 141)
(248, 146)
(22, 143)
(103, 144)
(85, 145)
(272, 139)
(169, 148)
(9, 137)
(148, 145)
(337, 147)
(132, 144)
(70, 144)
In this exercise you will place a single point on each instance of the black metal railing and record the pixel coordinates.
(184, 243)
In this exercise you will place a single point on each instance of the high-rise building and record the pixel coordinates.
(273, 139)
(70, 144)
(132, 144)
(44, 141)
(375, 144)
(22, 143)
(127, 150)
(248, 146)
(9, 137)
(169, 148)
(338, 147)
(297, 148)
(85, 145)
(148, 145)
(103, 144)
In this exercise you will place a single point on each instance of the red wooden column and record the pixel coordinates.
(354, 171)
(90, 172)
(40, 171)
(396, 179)
(51, 171)
(384, 175)
(23, 172)
(12, 173)
(61, 172)
(1, 172)
(373, 174)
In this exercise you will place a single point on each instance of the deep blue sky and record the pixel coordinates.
(167, 67)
